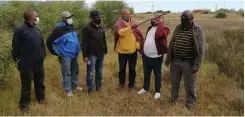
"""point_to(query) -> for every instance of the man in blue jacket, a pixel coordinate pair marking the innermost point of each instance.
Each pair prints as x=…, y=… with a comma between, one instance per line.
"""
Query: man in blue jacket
x=64, y=43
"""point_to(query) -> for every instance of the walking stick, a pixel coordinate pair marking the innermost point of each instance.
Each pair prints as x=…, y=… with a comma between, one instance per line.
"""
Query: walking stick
x=151, y=19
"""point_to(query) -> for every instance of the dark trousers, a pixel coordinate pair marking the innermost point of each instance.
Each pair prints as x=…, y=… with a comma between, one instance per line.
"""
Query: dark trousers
x=131, y=59
x=179, y=69
x=154, y=64
x=27, y=74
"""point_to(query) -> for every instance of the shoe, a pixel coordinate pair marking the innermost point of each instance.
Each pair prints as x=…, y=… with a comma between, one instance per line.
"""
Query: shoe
x=157, y=95
x=40, y=101
x=23, y=109
x=69, y=94
x=190, y=108
x=120, y=86
x=99, y=89
x=131, y=90
x=142, y=91
x=173, y=102
x=79, y=88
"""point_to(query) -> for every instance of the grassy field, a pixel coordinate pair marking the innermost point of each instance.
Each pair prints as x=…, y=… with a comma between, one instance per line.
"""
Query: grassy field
x=218, y=93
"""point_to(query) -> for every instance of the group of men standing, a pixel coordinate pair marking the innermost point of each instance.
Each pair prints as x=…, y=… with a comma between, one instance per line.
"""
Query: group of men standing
x=184, y=54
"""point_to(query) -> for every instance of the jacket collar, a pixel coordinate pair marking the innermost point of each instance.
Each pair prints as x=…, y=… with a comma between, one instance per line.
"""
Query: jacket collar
x=28, y=24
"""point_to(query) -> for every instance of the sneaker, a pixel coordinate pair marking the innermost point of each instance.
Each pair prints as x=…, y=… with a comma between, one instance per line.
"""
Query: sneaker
x=69, y=94
x=79, y=88
x=157, y=95
x=142, y=91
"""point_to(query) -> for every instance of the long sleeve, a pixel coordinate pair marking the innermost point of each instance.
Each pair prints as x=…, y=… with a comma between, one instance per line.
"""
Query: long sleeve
x=53, y=36
x=105, y=43
x=16, y=44
x=125, y=31
x=201, y=43
x=84, y=42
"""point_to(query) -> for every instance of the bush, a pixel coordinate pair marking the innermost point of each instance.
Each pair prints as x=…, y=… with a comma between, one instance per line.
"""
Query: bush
x=6, y=62
x=225, y=48
x=206, y=12
x=49, y=13
x=159, y=11
x=221, y=15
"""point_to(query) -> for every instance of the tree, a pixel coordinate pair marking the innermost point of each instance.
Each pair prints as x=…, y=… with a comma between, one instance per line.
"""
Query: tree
x=110, y=11
x=131, y=9
x=159, y=11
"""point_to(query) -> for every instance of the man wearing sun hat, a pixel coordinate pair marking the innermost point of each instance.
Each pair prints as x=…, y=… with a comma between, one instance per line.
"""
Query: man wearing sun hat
x=64, y=43
x=94, y=48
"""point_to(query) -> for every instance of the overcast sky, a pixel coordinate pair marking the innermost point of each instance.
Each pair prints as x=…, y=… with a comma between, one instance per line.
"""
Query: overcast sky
x=176, y=5
x=180, y=5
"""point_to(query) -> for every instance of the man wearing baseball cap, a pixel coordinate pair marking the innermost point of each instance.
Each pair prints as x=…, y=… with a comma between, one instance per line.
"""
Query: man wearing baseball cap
x=64, y=43
x=94, y=48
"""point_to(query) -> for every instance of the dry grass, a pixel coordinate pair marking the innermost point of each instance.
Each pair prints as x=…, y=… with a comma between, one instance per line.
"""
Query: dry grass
x=217, y=93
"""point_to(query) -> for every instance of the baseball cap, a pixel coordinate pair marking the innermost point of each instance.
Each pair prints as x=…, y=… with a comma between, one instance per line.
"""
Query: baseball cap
x=66, y=14
x=94, y=14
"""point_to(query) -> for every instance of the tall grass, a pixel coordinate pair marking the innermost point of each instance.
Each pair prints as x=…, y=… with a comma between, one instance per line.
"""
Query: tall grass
x=217, y=91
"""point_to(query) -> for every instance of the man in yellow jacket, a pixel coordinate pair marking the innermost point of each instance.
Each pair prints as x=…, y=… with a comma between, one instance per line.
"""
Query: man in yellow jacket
x=128, y=39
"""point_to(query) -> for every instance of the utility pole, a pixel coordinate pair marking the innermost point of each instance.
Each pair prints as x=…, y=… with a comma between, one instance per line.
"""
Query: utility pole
x=152, y=6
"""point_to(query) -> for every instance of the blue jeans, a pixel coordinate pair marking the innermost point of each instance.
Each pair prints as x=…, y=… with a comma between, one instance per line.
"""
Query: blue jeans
x=154, y=64
x=96, y=61
x=70, y=70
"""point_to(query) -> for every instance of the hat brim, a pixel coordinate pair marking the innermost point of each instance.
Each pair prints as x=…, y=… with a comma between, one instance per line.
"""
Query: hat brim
x=69, y=16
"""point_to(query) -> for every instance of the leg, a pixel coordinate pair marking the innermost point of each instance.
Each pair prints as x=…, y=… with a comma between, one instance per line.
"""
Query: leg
x=147, y=72
x=39, y=82
x=176, y=75
x=157, y=68
x=66, y=73
x=122, y=68
x=98, y=70
x=90, y=70
x=74, y=73
x=26, y=75
x=132, y=64
x=190, y=84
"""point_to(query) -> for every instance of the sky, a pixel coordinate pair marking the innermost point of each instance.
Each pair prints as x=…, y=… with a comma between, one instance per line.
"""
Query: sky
x=180, y=5
x=173, y=5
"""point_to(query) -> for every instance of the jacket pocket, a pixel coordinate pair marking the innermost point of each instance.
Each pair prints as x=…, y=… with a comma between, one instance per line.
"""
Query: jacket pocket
x=70, y=45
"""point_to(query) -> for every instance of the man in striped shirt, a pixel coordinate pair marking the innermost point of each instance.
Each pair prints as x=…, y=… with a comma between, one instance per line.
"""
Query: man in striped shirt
x=185, y=54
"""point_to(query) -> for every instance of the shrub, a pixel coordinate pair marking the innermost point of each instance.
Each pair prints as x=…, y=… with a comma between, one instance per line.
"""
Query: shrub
x=225, y=48
x=221, y=15
x=6, y=62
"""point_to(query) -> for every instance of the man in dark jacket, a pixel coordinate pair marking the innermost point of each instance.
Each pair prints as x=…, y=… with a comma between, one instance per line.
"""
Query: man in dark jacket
x=155, y=46
x=94, y=48
x=28, y=52
x=64, y=43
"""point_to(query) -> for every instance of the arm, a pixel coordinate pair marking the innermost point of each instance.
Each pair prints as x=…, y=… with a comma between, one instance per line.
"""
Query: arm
x=201, y=42
x=125, y=31
x=50, y=41
x=84, y=42
x=16, y=44
x=105, y=43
